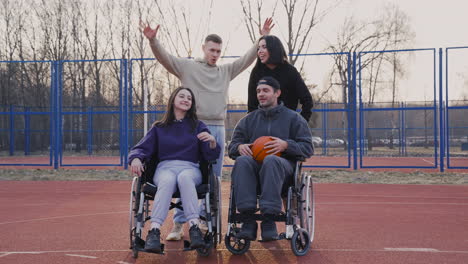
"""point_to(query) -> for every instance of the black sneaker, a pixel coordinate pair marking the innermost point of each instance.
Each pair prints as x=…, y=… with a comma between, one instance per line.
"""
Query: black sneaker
x=196, y=237
x=268, y=226
x=249, y=228
x=153, y=243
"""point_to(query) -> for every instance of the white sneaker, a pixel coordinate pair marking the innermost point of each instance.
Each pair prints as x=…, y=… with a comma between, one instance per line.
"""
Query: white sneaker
x=289, y=231
x=177, y=232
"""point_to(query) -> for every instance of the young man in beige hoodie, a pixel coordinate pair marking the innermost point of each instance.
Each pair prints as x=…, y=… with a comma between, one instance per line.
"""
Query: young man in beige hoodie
x=210, y=84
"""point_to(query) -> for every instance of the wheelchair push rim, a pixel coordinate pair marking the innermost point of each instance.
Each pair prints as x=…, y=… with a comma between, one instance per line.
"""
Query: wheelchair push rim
x=307, y=217
x=134, y=201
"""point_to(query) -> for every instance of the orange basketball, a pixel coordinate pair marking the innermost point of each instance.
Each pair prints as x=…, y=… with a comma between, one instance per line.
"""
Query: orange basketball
x=258, y=151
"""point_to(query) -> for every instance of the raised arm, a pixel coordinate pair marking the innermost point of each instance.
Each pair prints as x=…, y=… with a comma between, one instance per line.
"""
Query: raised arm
x=171, y=63
x=243, y=62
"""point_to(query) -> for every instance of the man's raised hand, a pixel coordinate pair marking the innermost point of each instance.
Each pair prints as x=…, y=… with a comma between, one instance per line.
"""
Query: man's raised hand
x=149, y=33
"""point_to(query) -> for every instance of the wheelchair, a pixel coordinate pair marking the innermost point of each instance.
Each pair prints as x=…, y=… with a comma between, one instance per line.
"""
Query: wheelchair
x=299, y=203
x=143, y=191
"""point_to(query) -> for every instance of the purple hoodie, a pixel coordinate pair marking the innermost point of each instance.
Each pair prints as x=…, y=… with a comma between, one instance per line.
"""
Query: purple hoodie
x=176, y=141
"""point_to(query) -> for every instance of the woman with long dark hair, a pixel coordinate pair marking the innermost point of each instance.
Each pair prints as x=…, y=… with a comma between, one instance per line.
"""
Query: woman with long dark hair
x=179, y=141
x=272, y=61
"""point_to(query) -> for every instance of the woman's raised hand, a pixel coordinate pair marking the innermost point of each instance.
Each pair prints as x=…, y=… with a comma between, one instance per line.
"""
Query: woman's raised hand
x=149, y=33
x=267, y=26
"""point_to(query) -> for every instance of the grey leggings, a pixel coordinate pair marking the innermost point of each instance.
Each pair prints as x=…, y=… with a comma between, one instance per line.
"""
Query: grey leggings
x=169, y=175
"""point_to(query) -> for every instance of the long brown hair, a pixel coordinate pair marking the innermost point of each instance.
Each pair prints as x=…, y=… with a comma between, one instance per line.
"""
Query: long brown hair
x=169, y=116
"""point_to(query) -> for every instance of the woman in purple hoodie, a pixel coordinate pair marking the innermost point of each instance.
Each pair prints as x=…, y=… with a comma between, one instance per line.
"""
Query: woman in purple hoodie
x=179, y=141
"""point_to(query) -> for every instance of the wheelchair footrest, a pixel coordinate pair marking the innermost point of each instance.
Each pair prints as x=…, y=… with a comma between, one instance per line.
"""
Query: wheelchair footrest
x=140, y=246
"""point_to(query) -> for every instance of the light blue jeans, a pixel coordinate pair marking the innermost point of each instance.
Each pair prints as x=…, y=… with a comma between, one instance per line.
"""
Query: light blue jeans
x=219, y=133
x=170, y=175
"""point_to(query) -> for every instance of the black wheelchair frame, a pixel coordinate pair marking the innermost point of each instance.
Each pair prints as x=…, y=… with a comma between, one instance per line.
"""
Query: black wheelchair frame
x=299, y=213
x=143, y=191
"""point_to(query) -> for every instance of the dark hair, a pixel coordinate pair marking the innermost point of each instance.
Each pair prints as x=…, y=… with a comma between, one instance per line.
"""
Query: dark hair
x=215, y=38
x=270, y=81
x=275, y=49
x=169, y=116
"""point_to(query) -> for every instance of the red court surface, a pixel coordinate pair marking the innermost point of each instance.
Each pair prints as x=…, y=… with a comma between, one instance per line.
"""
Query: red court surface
x=87, y=222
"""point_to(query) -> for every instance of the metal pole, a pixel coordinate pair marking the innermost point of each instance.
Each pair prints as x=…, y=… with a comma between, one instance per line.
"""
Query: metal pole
x=441, y=115
x=27, y=130
x=354, y=107
x=12, y=131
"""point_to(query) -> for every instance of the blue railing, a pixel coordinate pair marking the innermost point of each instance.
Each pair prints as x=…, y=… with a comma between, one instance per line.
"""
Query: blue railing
x=360, y=140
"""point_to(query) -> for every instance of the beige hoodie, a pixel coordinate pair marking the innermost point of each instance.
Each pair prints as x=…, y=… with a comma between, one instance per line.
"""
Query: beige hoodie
x=210, y=84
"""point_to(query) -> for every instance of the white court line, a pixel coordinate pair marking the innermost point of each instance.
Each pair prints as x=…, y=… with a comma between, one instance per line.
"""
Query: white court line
x=412, y=249
x=81, y=256
x=428, y=161
x=392, y=196
x=338, y=203
x=59, y=217
x=3, y=254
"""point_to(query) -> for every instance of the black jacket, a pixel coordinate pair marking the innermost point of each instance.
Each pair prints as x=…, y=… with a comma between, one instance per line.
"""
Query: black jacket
x=278, y=122
x=293, y=88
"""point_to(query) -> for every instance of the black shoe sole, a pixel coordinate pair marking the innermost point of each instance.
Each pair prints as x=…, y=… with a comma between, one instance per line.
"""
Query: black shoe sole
x=267, y=239
x=153, y=250
x=197, y=245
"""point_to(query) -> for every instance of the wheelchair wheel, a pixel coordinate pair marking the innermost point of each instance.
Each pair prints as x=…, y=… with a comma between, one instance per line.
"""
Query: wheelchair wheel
x=134, y=204
x=235, y=245
x=300, y=242
x=307, y=205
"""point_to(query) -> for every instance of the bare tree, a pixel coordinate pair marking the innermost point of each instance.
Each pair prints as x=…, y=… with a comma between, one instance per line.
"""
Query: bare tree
x=253, y=16
x=388, y=32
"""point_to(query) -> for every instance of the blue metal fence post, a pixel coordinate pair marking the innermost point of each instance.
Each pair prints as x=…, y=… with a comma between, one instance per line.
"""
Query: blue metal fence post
x=90, y=130
x=51, y=115
x=129, y=91
x=125, y=115
x=348, y=112
x=121, y=110
x=400, y=129
x=324, y=129
x=403, y=127
x=55, y=99
x=27, y=130
x=59, y=112
x=354, y=112
x=12, y=131
x=441, y=115
x=447, y=125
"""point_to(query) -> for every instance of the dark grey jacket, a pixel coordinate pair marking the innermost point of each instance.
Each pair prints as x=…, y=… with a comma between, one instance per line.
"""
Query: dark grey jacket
x=279, y=122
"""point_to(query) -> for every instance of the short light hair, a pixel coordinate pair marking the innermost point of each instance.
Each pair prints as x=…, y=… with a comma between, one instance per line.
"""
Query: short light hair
x=214, y=38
